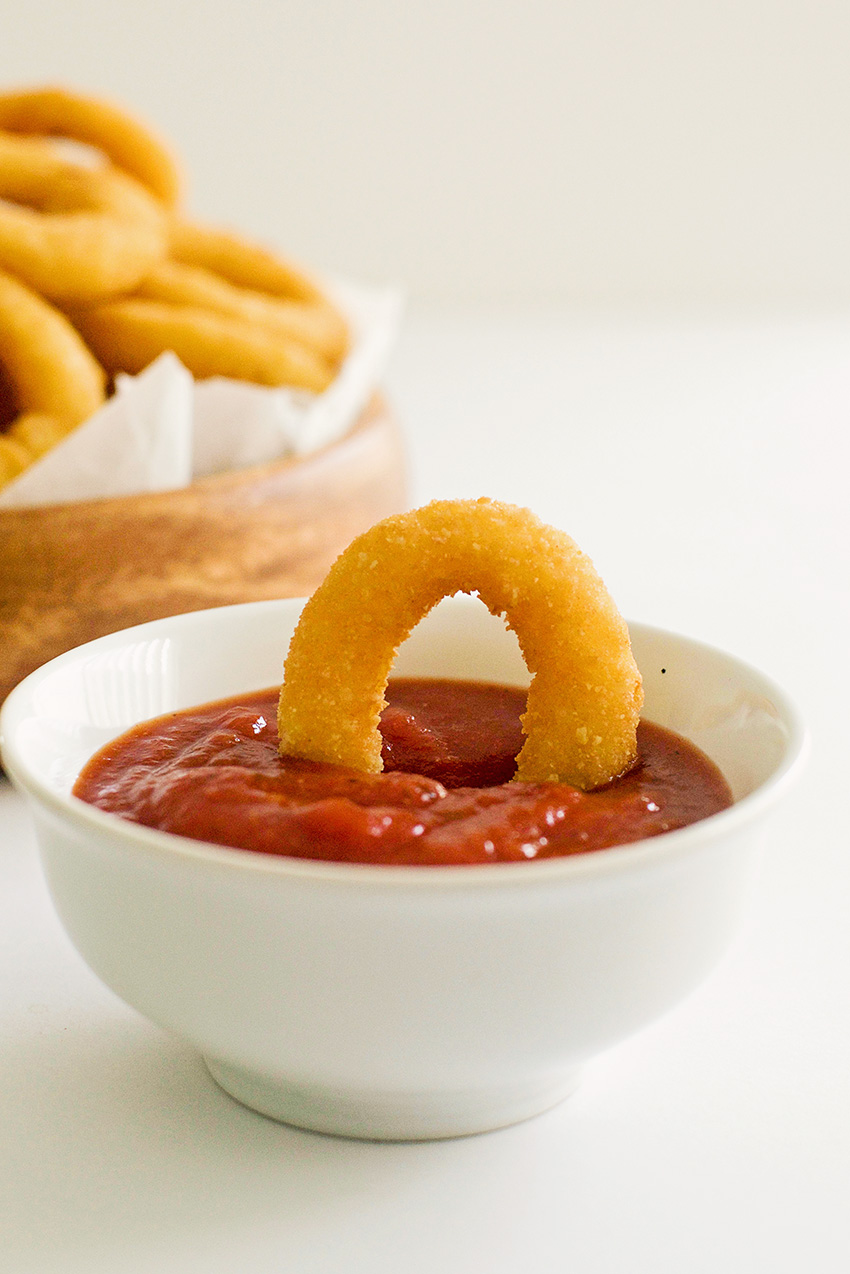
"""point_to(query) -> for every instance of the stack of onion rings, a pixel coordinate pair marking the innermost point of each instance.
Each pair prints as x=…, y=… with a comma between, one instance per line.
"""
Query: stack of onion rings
x=585, y=695
x=108, y=246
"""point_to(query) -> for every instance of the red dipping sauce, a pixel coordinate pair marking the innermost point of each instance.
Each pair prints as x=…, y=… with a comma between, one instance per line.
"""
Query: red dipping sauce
x=445, y=797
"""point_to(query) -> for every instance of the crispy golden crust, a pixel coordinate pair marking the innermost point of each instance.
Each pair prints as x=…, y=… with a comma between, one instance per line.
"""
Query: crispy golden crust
x=55, y=380
x=128, y=143
x=127, y=335
x=312, y=325
x=45, y=360
x=585, y=696
x=241, y=262
x=253, y=270
x=73, y=234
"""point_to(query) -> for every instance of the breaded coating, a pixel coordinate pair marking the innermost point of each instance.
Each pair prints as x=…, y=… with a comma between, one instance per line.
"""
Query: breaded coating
x=585, y=696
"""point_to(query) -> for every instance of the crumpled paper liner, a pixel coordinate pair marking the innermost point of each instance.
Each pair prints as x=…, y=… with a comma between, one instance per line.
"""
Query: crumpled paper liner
x=161, y=430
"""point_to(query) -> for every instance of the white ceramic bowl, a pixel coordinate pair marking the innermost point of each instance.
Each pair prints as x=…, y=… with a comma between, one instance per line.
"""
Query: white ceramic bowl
x=389, y=1002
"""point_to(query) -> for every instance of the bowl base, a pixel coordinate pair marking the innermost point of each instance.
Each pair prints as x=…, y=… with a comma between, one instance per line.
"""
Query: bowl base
x=390, y=1117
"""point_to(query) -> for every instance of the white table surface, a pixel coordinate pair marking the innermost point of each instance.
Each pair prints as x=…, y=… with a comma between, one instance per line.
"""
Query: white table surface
x=703, y=464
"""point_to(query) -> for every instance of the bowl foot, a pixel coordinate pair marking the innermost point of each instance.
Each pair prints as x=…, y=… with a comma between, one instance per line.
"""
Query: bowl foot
x=393, y=1116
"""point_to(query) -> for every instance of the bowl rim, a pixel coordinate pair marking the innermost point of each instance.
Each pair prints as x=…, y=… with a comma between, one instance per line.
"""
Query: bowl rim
x=615, y=859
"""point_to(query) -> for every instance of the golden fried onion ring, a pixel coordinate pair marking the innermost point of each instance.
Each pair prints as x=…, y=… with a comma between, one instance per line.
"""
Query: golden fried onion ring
x=250, y=266
x=127, y=335
x=242, y=263
x=316, y=326
x=55, y=380
x=129, y=144
x=585, y=695
x=80, y=235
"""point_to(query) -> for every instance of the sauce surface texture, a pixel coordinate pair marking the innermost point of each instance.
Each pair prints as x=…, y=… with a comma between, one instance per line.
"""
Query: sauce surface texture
x=445, y=798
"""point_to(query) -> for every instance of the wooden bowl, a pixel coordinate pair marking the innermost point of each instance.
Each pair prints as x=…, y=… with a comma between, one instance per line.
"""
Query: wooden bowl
x=72, y=572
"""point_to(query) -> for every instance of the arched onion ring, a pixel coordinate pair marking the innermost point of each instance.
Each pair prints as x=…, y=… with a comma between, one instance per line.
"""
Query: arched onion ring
x=81, y=234
x=585, y=696
x=55, y=380
x=315, y=326
x=129, y=144
x=127, y=335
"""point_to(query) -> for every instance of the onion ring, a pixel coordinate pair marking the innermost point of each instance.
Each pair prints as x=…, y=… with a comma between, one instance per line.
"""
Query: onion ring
x=129, y=144
x=585, y=695
x=315, y=326
x=55, y=381
x=127, y=335
x=242, y=263
x=85, y=234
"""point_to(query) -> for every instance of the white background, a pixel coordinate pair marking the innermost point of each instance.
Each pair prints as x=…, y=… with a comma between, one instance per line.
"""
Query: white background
x=624, y=230
x=592, y=150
